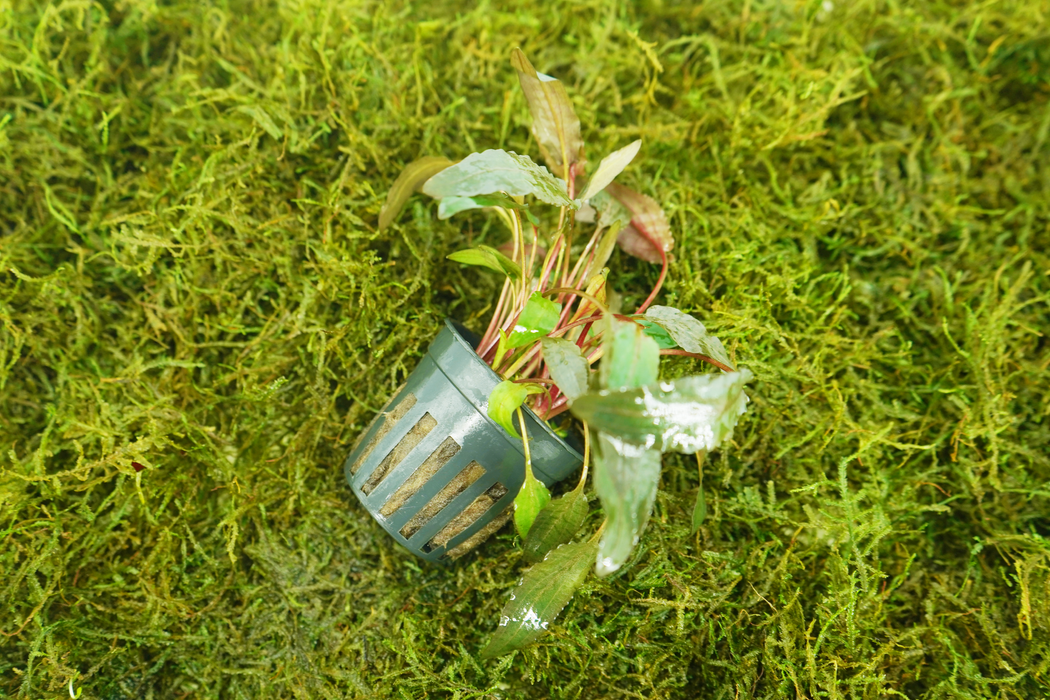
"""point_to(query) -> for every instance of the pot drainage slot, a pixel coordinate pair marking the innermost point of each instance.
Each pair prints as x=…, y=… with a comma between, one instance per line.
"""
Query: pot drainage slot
x=467, y=517
x=408, y=443
x=437, y=459
x=391, y=420
x=471, y=473
x=479, y=536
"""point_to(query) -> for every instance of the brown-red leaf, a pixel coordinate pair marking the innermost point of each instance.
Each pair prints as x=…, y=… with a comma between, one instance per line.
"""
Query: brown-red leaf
x=648, y=220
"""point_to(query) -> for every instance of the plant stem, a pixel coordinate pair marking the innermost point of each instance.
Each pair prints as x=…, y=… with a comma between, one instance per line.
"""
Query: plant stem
x=705, y=358
x=659, y=281
x=525, y=441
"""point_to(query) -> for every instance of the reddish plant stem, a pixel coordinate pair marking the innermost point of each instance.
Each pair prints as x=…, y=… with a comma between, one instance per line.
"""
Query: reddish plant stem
x=495, y=317
x=659, y=281
x=705, y=358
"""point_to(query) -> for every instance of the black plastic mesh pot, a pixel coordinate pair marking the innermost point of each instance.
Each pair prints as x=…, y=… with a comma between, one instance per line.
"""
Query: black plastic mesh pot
x=436, y=472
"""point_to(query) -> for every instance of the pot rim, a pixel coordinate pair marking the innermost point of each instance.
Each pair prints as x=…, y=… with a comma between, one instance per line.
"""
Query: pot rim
x=460, y=333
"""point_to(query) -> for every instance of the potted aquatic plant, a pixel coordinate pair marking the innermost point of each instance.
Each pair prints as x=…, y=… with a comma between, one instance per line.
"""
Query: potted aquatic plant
x=482, y=428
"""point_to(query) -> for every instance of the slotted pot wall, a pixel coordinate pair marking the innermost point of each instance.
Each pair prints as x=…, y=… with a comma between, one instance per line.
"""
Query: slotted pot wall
x=434, y=470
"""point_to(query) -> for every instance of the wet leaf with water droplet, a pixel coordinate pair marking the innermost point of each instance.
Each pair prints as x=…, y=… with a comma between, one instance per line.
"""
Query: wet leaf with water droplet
x=556, y=524
x=537, y=319
x=687, y=415
x=689, y=333
x=568, y=367
x=626, y=478
x=540, y=596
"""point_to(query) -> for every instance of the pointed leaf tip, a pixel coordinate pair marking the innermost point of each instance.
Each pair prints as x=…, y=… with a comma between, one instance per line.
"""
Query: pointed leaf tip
x=536, y=602
x=611, y=166
x=689, y=333
x=411, y=178
x=554, y=121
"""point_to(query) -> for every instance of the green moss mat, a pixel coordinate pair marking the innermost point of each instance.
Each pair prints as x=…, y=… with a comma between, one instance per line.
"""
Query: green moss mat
x=197, y=318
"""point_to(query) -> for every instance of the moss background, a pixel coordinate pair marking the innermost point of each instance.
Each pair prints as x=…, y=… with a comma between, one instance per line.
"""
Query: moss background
x=198, y=317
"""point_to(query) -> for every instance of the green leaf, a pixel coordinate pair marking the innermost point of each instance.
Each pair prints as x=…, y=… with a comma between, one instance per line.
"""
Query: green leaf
x=537, y=319
x=498, y=171
x=658, y=333
x=605, y=247
x=689, y=333
x=567, y=365
x=687, y=415
x=544, y=591
x=531, y=499
x=454, y=205
x=611, y=166
x=630, y=359
x=556, y=524
x=554, y=121
x=505, y=398
x=626, y=478
x=491, y=258
x=411, y=178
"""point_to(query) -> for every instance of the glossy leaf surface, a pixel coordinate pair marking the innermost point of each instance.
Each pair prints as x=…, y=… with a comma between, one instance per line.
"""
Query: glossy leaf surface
x=687, y=415
x=505, y=399
x=543, y=592
x=484, y=256
x=411, y=178
x=567, y=365
x=495, y=171
x=554, y=121
x=626, y=478
x=611, y=166
x=531, y=499
x=556, y=524
x=689, y=333
x=537, y=319
x=631, y=358
x=659, y=334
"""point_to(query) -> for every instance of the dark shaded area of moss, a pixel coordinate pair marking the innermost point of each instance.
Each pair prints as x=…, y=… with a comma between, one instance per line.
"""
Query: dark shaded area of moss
x=197, y=317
